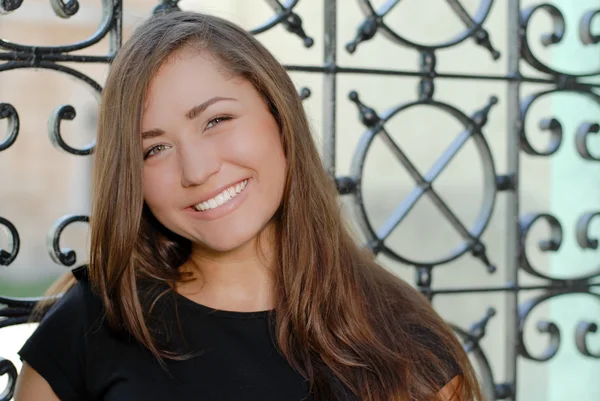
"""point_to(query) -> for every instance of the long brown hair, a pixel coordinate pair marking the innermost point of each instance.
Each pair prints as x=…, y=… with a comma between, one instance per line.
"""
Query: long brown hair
x=342, y=321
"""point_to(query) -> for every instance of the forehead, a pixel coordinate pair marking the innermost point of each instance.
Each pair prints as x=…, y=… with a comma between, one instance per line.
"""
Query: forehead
x=187, y=74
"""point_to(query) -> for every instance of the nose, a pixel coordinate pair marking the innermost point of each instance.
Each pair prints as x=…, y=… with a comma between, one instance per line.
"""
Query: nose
x=198, y=163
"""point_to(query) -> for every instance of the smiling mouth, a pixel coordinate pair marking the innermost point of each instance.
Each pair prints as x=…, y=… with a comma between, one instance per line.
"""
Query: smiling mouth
x=222, y=198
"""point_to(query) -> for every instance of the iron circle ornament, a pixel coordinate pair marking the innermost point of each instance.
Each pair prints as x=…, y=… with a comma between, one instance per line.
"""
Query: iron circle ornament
x=277, y=18
x=471, y=237
x=376, y=16
x=284, y=14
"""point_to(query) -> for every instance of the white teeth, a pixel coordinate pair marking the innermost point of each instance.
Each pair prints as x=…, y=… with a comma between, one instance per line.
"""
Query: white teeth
x=222, y=198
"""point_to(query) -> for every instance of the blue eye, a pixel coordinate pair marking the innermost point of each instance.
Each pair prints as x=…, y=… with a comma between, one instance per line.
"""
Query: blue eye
x=217, y=120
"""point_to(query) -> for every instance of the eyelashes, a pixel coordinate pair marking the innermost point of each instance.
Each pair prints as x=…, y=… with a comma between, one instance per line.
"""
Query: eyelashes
x=154, y=150
x=217, y=120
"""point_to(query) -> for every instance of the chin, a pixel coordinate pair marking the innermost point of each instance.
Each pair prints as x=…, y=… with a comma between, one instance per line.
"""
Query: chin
x=227, y=243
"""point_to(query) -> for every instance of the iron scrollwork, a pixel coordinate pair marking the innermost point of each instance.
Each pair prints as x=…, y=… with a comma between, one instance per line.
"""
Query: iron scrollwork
x=554, y=243
x=63, y=256
x=13, y=312
x=17, y=311
x=7, y=111
x=585, y=28
x=553, y=125
x=548, y=39
x=583, y=329
x=7, y=257
x=59, y=114
x=581, y=137
x=7, y=368
x=7, y=6
x=582, y=231
x=34, y=55
x=581, y=333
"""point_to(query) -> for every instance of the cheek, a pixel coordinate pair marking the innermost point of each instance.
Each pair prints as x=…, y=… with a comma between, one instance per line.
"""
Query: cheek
x=257, y=144
x=156, y=185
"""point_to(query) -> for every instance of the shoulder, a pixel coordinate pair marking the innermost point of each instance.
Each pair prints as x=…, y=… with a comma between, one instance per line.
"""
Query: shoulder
x=57, y=349
x=79, y=306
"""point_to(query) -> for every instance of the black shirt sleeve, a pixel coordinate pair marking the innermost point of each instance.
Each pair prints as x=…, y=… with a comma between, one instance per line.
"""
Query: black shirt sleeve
x=56, y=350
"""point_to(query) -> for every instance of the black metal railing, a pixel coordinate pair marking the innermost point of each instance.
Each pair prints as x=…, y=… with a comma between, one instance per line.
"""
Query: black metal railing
x=519, y=51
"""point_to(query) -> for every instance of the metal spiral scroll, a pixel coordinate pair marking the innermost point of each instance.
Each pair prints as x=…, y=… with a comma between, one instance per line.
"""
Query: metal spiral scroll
x=284, y=14
x=581, y=333
x=13, y=312
x=473, y=126
x=62, y=256
x=553, y=125
x=66, y=10
x=9, y=112
x=7, y=368
x=582, y=231
x=581, y=136
x=374, y=22
x=7, y=257
x=7, y=6
x=553, y=243
x=585, y=28
x=583, y=329
x=65, y=113
x=61, y=113
x=550, y=39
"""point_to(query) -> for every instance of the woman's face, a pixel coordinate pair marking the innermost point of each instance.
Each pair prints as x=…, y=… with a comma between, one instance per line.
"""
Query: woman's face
x=214, y=166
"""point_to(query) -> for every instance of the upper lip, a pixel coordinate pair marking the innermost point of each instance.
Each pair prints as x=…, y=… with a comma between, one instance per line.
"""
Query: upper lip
x=216, y=192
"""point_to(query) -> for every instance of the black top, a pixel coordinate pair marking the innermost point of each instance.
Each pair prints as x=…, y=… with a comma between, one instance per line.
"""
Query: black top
x=82, y=359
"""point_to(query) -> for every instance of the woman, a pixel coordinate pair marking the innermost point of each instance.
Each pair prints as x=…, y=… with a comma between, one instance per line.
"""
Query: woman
x=220, y=268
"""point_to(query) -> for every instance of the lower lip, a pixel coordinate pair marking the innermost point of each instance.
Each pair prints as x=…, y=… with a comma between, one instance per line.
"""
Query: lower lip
x=222, y=210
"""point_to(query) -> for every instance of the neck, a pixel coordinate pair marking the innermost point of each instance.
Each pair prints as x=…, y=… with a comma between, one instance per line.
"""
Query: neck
x=239, y=280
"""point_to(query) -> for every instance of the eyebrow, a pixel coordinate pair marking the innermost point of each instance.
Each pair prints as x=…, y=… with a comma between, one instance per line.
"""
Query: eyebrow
x=190, y=115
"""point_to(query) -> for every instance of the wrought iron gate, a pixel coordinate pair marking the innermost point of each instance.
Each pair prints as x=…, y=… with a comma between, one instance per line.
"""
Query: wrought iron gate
x=519, y=52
